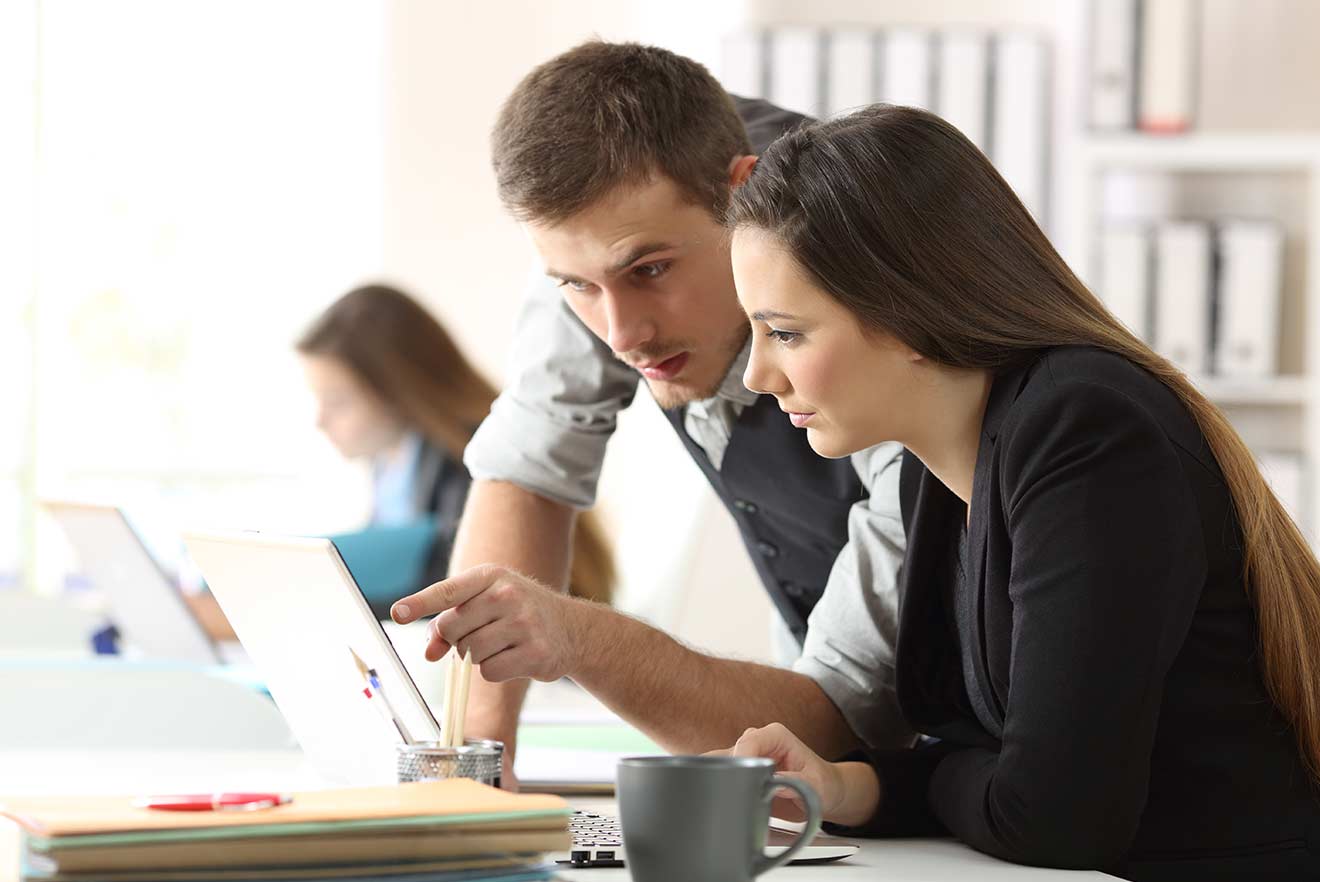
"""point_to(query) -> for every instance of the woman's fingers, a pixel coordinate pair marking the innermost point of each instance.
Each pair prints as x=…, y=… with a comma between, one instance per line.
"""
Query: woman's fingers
x=787, y=805
x=774, y=742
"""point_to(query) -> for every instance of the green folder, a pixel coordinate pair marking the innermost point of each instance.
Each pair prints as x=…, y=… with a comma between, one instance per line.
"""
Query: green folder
x=305, y=828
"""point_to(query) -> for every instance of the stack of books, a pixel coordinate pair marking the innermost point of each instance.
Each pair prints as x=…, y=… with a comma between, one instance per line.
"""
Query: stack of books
x=442, y=831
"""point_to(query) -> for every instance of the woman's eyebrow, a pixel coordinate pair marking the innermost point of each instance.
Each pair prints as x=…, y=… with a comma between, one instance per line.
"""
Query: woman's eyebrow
x=764, y=315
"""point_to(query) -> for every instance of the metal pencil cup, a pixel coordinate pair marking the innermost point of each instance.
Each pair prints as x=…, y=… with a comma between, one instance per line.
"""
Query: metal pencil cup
x=428, y=761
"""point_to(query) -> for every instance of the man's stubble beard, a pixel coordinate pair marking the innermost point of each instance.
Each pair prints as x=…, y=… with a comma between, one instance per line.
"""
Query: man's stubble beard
x=672, y=395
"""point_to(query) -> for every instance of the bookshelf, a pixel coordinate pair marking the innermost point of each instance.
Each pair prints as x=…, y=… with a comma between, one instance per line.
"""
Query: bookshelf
x=1201, y=151
x=1280, y=391
x=1202, y=175
x=1273, y=413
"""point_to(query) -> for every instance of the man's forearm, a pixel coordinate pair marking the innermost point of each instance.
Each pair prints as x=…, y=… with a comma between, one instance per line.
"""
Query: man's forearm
x=505, y=524
x=690, y=702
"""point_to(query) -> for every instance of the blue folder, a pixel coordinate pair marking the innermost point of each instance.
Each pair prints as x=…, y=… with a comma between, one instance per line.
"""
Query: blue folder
x=388, y=562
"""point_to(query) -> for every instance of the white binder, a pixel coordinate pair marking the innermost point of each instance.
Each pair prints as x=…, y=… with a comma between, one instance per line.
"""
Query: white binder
x=743, y=64
x=1168, y=65
x=1113, y=64
x=907, y=68
x=1018, y=138
x=1250, y=273
x=850, y=76
x=795, y=69
x=1182, y=294
x=963, y=84
x=1125, y=275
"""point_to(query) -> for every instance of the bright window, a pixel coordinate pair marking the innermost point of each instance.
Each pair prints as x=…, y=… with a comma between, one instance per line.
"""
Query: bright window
x=209, y=177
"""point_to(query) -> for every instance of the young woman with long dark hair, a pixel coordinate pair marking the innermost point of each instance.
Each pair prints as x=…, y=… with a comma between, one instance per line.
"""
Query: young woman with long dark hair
x=1110, y=628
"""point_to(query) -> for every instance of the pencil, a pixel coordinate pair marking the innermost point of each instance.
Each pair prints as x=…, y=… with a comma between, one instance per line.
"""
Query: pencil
x=451, y=700
x=389, y=706
x=464, y=683
x=361, y=665
x=373, y=683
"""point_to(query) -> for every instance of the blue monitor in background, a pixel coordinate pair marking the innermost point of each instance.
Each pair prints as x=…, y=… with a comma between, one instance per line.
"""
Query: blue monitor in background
x=388, y=562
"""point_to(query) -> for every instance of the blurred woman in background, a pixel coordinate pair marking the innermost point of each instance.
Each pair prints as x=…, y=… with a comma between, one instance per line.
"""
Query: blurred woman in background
x=393, y=388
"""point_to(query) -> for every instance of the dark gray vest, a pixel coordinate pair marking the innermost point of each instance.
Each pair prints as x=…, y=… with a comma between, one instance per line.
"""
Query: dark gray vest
x=791, y=504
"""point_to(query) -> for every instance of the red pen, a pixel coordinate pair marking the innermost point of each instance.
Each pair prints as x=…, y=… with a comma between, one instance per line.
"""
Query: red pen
x=213, y=802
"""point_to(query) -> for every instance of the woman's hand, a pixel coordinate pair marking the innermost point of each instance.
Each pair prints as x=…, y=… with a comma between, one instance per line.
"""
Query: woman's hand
x=849, y=792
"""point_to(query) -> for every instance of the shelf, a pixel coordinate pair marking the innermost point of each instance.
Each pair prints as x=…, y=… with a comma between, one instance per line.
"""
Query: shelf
x=1265, y=391
x=1245, y=152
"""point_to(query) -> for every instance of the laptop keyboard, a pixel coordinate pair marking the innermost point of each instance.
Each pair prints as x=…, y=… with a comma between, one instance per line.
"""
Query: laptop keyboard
x=597, y=840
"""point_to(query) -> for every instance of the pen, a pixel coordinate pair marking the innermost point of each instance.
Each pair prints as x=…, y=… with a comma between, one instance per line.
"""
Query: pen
x=373, y=682
x=212, y=802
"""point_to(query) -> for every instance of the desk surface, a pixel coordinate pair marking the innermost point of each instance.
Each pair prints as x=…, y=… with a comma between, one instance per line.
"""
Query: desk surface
x=891, y=860
x=54, y=772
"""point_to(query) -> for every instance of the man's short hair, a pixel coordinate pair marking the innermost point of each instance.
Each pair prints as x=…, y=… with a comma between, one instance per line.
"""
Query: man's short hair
x=603, y=115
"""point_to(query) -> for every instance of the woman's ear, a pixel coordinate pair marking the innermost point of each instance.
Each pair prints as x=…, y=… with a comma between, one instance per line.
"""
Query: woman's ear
x=910, y=355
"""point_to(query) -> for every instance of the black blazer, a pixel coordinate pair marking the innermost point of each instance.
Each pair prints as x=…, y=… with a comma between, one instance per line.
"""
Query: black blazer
x=1123, y=721
x=440, y=487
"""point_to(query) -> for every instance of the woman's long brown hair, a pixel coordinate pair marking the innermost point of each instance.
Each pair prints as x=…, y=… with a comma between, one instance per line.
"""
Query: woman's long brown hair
x=901, y=219
x=401, y=353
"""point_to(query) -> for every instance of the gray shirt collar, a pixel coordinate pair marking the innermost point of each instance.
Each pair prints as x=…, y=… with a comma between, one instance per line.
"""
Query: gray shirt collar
x=732, y=389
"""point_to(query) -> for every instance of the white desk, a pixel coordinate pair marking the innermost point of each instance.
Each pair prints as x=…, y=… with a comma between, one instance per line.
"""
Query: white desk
x=55, y=772
x=889, y=860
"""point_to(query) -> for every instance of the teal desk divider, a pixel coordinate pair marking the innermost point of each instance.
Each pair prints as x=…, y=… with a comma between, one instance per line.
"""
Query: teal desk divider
x=242, y=674
x=388, y=562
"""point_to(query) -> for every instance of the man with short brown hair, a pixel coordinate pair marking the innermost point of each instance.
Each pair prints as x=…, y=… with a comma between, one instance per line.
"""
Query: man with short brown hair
x=654, y=114
x=619, y=160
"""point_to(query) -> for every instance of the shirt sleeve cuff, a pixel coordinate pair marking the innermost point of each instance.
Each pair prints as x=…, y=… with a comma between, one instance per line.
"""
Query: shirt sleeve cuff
x=567, y=460
x=870, y=708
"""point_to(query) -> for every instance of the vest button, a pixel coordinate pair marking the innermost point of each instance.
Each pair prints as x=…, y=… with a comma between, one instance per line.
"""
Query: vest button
x=744, y=506
x=767, y=550
x=793, y=589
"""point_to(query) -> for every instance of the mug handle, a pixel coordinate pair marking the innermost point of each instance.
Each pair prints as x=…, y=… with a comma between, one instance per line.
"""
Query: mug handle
x=809, y=832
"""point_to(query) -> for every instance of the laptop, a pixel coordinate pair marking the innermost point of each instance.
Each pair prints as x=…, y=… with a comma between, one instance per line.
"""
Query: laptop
x=146, y=605
x=302, y=620
x=301, y=617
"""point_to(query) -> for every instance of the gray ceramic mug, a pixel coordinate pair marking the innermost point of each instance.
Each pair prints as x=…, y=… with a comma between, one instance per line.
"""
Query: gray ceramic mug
x=703, y=818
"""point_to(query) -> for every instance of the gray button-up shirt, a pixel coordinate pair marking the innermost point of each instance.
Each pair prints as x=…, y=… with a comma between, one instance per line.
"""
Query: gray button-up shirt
x=548, y=430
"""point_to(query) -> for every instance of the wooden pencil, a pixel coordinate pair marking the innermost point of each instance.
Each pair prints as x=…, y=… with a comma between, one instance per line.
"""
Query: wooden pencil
x=464, y=684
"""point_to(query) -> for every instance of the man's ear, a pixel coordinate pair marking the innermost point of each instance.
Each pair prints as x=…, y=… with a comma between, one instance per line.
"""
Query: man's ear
x=739, y=168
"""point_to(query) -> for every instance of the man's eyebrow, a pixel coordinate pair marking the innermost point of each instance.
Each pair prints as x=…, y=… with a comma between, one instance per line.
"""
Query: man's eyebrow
x=635, y=255
x=632, y=257
x=764, y=315
x=563, y=277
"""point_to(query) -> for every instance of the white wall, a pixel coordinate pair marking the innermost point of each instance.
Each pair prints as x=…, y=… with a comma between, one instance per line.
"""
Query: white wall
x=449, y=68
